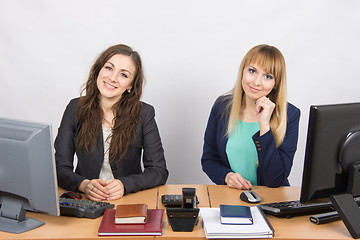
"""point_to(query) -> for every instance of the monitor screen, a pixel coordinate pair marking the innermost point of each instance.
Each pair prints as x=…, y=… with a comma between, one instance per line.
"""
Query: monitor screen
x=328, y=128
x=332, y=160
x=27, y=174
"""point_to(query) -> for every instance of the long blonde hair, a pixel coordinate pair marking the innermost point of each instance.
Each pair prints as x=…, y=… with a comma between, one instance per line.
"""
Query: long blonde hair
x=271, y=60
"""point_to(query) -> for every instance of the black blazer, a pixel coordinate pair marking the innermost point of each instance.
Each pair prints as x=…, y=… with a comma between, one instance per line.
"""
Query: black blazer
x=128, y=170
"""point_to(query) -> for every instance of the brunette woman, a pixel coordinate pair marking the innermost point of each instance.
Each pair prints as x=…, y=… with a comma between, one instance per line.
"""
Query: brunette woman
x=111, y=131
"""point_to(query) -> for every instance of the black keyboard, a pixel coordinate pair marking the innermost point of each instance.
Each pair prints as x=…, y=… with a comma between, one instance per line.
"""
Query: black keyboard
x=82, y=208
x=173, y=200
x=290, y=209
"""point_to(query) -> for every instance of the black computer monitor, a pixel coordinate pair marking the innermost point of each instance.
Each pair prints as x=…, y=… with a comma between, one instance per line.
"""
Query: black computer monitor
x=27, y=174
x=332, y=160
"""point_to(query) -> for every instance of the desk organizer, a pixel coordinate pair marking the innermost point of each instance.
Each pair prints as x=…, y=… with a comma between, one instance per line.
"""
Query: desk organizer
x=183, y=219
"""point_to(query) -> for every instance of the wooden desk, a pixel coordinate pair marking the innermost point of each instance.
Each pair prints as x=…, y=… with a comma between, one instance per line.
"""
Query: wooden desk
x=61, y=227
x=294, y=228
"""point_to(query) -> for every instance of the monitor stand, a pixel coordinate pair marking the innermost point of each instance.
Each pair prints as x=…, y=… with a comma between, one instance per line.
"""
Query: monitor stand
x=349, y=212
x=12, y=216
x=345, y=204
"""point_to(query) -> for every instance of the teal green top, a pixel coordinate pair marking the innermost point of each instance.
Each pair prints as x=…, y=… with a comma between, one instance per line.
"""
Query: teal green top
x=241, y=151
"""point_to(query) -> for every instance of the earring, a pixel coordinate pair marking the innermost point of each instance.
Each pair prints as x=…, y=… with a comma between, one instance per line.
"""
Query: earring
x=129, y=90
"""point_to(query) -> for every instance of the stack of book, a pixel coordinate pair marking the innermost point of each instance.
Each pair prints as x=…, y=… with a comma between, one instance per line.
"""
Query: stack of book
x=131, y=219
x=233, y=221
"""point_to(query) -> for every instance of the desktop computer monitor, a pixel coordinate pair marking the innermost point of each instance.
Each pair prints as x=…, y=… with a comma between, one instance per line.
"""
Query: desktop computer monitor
x=27, y=174
x=332, y=160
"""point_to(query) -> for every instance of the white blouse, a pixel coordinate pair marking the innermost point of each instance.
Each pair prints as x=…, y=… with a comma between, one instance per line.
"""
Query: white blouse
x=106, y=172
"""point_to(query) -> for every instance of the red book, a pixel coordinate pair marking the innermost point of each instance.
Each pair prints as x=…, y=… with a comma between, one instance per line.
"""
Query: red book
x=153, y=226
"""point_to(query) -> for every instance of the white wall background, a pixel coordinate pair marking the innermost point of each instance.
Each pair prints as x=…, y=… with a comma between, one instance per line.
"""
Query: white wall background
x=191, y=50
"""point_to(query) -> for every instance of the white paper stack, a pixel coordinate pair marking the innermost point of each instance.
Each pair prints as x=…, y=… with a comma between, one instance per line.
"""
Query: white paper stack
x=214, y=229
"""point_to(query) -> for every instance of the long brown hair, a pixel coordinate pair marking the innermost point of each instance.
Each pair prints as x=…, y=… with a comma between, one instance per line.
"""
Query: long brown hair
x=271, y=60
x=126, y=110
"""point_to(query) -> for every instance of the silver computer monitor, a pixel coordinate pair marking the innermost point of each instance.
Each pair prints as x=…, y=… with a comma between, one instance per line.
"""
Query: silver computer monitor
x=27, y=174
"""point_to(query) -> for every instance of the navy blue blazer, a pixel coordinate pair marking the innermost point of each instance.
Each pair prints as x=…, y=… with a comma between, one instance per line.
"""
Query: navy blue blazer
x=274, y=163
x=129, y=170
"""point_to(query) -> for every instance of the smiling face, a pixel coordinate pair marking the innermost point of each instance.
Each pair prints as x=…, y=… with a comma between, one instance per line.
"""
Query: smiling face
x=115, y=77
x=256, y=83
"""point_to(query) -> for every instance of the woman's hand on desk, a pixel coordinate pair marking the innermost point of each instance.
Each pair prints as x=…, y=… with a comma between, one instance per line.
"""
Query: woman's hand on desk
x=99, y=190
x=115, y=189
x=235, y=180
x=94, y=189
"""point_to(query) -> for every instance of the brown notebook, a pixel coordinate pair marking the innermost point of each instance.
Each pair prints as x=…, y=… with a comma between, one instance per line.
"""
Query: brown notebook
x=131, y=213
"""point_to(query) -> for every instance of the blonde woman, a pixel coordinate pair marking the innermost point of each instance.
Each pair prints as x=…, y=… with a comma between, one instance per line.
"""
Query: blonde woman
x=252, y=132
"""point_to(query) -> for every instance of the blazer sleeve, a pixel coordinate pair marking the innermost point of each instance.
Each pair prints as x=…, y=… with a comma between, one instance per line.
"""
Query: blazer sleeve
x=155, y=172
x=214, y=160
x=275, y=163
x=65, y=148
